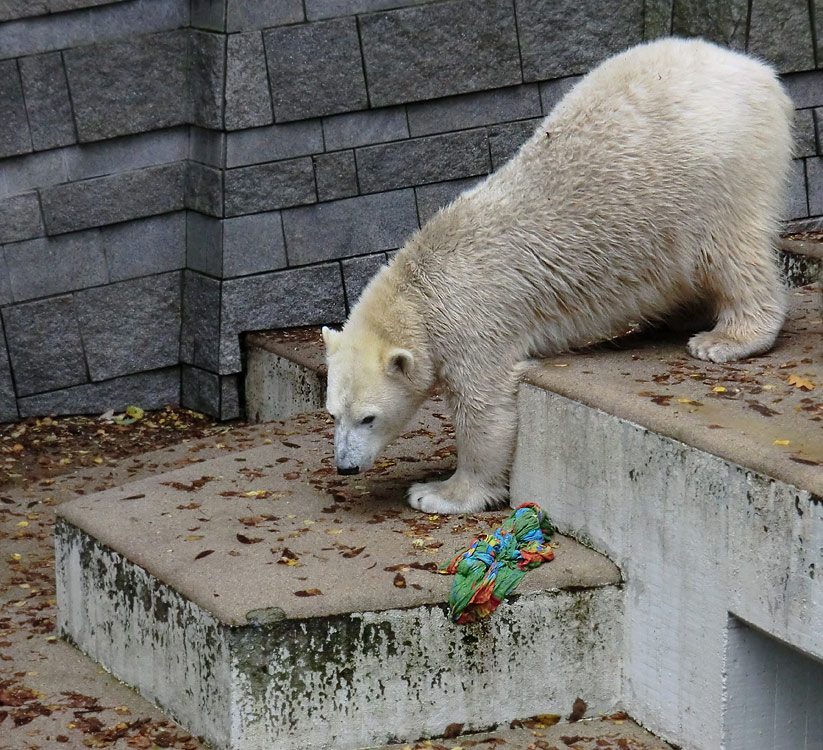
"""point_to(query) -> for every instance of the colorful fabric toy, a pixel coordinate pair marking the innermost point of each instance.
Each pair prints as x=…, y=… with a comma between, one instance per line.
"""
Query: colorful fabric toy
x=492, y=566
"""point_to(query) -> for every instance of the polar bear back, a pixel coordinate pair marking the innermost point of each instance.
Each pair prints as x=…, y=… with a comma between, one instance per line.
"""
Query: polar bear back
x=663, y=163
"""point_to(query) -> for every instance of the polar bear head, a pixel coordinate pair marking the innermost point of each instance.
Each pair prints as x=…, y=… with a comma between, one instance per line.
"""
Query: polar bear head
x=374, y=389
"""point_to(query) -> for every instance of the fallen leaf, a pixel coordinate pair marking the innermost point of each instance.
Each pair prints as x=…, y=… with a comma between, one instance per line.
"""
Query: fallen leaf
x=309, y=592
x=243, y=539
x=204, y=553
x=452, y=731
x=578, y=710
x=399, y=581
x=780, y=442
x=548, y=720
x=194, y=537
x=801, y=382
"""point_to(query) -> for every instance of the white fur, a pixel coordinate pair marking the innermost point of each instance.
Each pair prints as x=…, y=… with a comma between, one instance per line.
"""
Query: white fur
x=655, y=186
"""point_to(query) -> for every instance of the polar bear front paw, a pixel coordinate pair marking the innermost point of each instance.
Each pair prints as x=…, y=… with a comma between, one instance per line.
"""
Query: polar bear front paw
x=447, y=497
x=716, y=347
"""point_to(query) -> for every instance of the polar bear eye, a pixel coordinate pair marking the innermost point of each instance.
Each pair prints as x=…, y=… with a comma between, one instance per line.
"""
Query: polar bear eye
x=367, y=420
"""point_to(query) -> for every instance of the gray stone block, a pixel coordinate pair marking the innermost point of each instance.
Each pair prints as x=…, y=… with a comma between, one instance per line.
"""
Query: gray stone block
x=15, y=9
x=720, y=22
x=253, y=244
x=257, y=14
x=204, y=244
x=8, y=400
x=146, y=246
x=431, y=198
x=315, y=69
x=53, y=265
x=126, y=153
x=230, y=407
x=798, y=206
x=295, y=297
x=207, y=78
x=108, y=200
x=149, y=390
x=14, y=135
x=657, y=19
x=814, y=175
x=128, y=86
x=780, y=31
x=354, y=226
x=47, y=101
x=804, y=135
x=204, y=189
x=200, y=332
x=551, y=92
x=200, y=390
x=5, y=287
x=505, y=140
x=259, y=145
x=208, y=14
x=22, y=173
x=130, y=326
x=207, y=146
x=335, y=175
x=473, y=110
x=248, y=98
x=45, y=347
x=423, y=160
x=319, y=9
x=266, y=187
x=439, y=49
x=357, y=272
x=568, y=36
x=805, y=89
x=20, y=218
x=107, y=23
x=365, y=128
x=818, y=126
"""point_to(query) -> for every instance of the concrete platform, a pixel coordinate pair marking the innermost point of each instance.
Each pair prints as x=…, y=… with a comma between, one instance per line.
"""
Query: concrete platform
x=705, y=484
x=262, y=601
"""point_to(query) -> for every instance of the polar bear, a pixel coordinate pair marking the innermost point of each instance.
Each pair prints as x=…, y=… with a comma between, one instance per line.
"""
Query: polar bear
x=655, y=186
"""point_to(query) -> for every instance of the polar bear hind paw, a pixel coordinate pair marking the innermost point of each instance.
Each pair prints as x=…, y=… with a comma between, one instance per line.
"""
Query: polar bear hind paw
x=435, y=497
x=718, y=347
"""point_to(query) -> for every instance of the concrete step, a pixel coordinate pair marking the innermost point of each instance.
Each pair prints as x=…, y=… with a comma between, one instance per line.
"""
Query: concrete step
x=264, y=602
x=704, y=483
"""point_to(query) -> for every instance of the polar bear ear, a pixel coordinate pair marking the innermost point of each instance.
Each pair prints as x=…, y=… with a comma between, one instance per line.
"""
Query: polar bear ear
x=331, y=339
x=400, y=362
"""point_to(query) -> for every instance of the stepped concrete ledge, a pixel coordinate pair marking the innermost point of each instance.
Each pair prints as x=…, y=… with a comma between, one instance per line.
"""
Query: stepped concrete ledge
x=264, y=602
x=704, y=483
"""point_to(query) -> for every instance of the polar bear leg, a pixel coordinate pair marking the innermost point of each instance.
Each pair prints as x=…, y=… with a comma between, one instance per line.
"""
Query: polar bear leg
x=485, y=447
x=750, y=306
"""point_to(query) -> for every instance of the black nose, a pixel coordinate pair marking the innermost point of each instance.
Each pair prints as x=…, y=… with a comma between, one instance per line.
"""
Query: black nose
x=348, y=470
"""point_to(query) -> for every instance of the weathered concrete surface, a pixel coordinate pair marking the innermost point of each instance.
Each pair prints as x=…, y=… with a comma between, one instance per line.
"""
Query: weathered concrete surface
x=736, y=410
x=369, y=654
x=285, y=374
x=677, y=478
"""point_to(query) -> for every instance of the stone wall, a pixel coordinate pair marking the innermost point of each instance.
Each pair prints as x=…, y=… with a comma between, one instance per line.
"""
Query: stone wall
x=174, y=173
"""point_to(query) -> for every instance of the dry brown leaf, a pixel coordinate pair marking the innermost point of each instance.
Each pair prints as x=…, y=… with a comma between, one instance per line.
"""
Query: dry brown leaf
x=800, y=382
